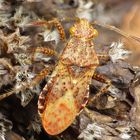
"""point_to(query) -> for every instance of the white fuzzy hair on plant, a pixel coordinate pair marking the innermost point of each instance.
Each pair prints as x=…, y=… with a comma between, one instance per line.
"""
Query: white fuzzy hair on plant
x=49, y=35
x=117, y=51
x=23, y=77
x=22, y=17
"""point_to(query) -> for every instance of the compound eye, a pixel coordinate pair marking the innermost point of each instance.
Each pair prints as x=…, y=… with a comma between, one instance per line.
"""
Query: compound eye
x=95, y=33
x=72, y=30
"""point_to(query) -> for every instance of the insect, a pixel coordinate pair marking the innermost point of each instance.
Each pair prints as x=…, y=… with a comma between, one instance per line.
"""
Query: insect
x=67, y=91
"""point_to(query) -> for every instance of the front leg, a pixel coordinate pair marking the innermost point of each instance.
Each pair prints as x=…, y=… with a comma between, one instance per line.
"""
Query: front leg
x=46, y=51
x=54, y=22
x=103, y=79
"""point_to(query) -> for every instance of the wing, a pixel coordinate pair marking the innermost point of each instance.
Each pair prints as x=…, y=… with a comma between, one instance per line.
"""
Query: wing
x=60, y=110
x=67, y=94
x=81, y=90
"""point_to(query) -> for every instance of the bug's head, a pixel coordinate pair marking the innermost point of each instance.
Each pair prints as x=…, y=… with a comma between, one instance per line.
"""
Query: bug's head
x=83, y=29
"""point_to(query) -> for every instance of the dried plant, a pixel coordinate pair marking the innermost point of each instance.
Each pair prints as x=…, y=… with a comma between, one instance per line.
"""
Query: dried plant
x=5, y=126
x=23, y=50
x=117, y=51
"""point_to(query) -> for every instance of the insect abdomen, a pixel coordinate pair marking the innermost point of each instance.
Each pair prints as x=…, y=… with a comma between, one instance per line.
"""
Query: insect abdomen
x=58, y=116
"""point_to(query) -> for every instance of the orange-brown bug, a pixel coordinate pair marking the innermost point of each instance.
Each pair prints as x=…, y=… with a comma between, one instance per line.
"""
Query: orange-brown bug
x=67, y=91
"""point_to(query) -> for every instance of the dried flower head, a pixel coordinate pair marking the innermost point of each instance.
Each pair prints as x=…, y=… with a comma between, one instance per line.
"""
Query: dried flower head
x=22, y=17
x=23, y=58
x=23, y=75
x=49, y=35
x=5, y=13
x=7, y=72
x=16, y=41
x=117, y=51
x=5, y=126
x=23, y=78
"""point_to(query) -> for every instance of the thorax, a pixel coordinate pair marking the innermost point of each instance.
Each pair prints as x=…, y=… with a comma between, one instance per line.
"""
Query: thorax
x=79, y=52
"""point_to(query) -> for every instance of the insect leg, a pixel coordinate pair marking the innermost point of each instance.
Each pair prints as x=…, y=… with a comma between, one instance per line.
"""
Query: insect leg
x=41, y=76
x=54, y=22
x=104, y=89
x=46, y=51
x=59, y=27
x=33, y=83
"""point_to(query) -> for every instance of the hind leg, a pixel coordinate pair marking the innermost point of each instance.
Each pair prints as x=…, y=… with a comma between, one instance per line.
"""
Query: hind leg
x=46, y=51
x=104, y=89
